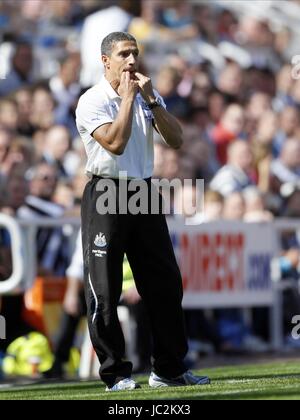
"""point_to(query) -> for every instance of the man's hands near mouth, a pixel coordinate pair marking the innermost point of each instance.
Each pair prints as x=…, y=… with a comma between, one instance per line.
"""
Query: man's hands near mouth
x=145, y=87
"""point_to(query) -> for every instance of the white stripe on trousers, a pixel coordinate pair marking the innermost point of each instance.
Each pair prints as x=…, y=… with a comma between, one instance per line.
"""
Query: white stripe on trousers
x=96, y=300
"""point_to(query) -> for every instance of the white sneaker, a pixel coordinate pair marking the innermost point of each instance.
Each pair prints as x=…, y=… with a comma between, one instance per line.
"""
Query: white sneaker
x=186, y=379
x=127, y=384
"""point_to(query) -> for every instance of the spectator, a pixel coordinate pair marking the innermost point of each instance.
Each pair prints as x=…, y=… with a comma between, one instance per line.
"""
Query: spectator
x=5, y=142
x=205, y=20
x=262, y=147
x=213, y=206
x=167, y=83
x=295, y=93
x=21, y=72
x=234, y=207
x=11, y=306
x=200, y=90
x=57, y=144
x=236, y=175
x=188, y=204
x=197, y=209
x=23, y=99
x=216, y=106
x=259, y=103
x=171, y=164
x=43, y=108
x=146, y=28
x=74, y=309
x=78, y=184
x=53, y=253
x=63, y=195
x=16, y=191
x=286, y=169
x=65, y=89
x=284, y=85
x=96, y=27
x=230, y=82
x=258, y=39
x=255, y=207
x=289, y=124
x=8, y=115
x=229, y=129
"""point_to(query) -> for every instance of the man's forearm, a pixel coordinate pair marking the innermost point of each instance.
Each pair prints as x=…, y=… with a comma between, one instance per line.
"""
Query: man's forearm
x=168, y=127
x=120, y=131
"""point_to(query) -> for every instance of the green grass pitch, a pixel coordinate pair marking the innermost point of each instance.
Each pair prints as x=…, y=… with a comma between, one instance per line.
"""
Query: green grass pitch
x=268, y=381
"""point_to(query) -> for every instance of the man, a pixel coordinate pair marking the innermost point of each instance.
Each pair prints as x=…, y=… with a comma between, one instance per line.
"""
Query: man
x=21, y=71
x=74, y=309
x=236, y=175
x=56, y=146
x=66, y=89
x=116, y=17
x=229, y=128
x=52, y=245
x=115, y=120
x=286, y=169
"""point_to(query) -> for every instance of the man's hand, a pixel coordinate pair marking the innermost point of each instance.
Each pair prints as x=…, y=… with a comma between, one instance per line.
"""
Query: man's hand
x=145, y=87
x=131, y=296
x=71, y=303
x=128, y=88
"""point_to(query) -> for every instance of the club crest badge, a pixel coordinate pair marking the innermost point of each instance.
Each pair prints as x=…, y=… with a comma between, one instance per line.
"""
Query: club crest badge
x=100, y=240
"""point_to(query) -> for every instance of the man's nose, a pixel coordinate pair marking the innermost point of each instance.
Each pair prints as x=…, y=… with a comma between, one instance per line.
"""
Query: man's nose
x=132, y=59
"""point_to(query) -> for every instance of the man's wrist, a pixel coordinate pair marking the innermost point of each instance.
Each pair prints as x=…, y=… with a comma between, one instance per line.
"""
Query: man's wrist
x=155, y=102
x=150, y=99
x=129, y=99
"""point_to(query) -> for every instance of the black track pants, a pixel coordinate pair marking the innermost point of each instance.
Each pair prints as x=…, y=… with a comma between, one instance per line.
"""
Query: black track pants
x=146, y=241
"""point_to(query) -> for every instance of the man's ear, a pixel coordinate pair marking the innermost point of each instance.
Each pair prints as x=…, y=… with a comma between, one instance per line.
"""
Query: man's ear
x=105, y=61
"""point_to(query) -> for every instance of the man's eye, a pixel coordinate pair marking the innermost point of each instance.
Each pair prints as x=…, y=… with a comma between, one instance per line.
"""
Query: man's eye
x=125, y=55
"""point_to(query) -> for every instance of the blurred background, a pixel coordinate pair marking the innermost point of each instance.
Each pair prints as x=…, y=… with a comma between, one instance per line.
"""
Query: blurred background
x=228, y=70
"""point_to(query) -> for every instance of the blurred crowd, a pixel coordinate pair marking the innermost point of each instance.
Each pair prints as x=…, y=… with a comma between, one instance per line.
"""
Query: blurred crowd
x=224, y=71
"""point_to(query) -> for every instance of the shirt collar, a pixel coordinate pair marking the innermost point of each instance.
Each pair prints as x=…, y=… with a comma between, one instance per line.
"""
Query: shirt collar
x=108, y=88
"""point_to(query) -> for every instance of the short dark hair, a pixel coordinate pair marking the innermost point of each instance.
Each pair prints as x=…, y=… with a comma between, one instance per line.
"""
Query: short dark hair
x=110, y=40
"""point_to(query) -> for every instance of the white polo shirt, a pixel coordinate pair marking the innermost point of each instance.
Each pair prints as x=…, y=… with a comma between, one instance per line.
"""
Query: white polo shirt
x=100, y=105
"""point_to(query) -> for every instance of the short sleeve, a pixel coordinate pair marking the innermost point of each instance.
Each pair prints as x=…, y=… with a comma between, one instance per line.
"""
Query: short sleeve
x=91, y=115
x=157, y=95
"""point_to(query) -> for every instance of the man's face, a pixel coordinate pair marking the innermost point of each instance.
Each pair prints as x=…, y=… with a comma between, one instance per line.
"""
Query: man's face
x=124, y=57
x=44, y=183
x=18, y=190
x=23, y=60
